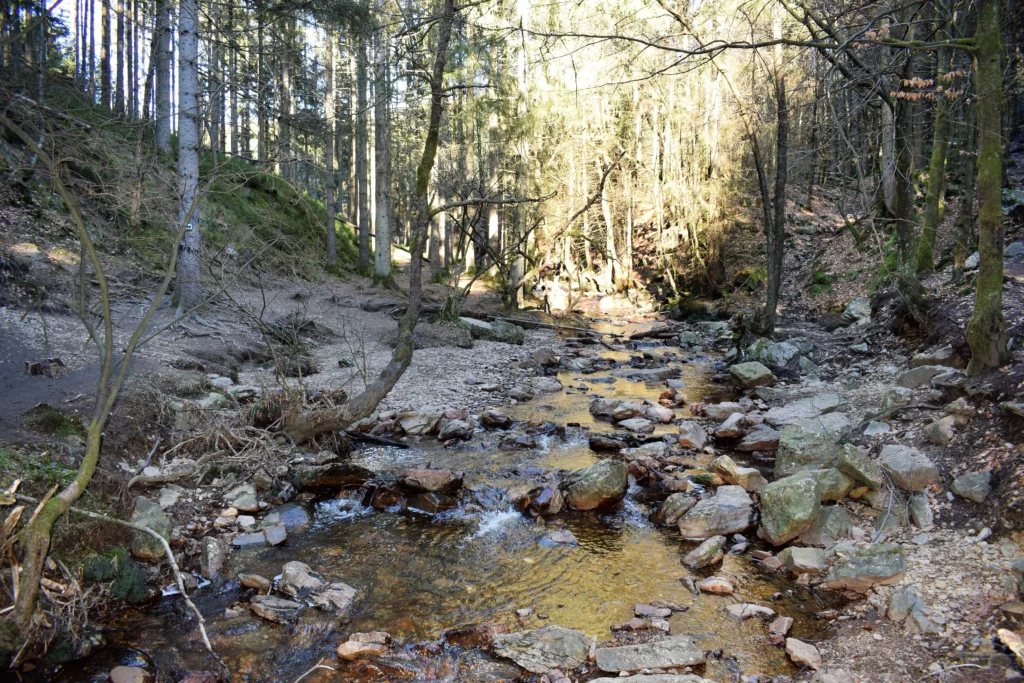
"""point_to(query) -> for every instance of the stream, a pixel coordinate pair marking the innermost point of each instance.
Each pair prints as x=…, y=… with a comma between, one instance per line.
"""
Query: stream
x=418, y=576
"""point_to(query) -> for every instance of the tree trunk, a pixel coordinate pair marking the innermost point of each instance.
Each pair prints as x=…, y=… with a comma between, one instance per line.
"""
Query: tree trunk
x=188, y=290
x=361, y=142
x=986, y=331
x=888, y=158
x=611, y=257
x=382, y=155
x=105, y=53
x=968, y=186
x=776, y=233
x=903, y=207
x=162, y=76
x=330, y=181
x=936, y=171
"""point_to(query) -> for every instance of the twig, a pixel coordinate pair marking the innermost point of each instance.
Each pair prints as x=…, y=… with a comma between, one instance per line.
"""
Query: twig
x=379, y=440
x=950, y=668
x=149, y=457
x=170, y=558
x=318, y=665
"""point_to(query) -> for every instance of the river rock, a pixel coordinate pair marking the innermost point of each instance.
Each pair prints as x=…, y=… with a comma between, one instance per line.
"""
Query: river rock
x=718, y=412
x=654, y=678
x=492, y=418
x=601, y=485
x=747, y=477
x=674, y=507
x=761, y=438
x=627, y=410
x=830, y=526
x=921, y=510
x=274, y=609
x=857, y=312
x=243, y=498
x=298, y=577
x=909, y=468
x=716, y=585
x=608, y=442
x=543, y=385
x=673, y=651
x=424, y=480
x=706, y=554
x=692, y=435
x=855, y=463
x=544, y=501
x=431, y=503
x=748, y=610
x=805, y=409
x=732, y=427
x=941, y=431
x=352, y=650
x=275, y=535
x=727, y=512
x=751, y=375
x=803, y=653
x=129, y=674
x=455, y=429
x=945, y=356
x=919, y=376
x=644, y=610
x=213, y=557
x=803, y=560
x=637, y=425
x=558, y=537
x=545, y=357
x=254, y=581
x=292, y=516
x=788, y=508
x=543, y=649
x=658, y=413
x=149, y=514
x=974, y=485
x=654, y=449
x=498, y=331
x=335, y=597
x=810, y=444
x=419, y=422
x=604, y=407
x=773, y=354
x=334, y=476
x=834, y=484
x=878, y=564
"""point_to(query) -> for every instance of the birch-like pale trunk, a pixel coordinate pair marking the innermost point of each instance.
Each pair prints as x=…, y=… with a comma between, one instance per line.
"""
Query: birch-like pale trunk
x=188, y=290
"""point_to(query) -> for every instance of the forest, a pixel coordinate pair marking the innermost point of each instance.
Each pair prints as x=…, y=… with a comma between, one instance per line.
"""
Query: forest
x=516, y=341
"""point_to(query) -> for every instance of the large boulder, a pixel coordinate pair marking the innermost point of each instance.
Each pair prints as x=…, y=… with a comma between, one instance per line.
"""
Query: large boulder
x=857, y=312
x=879, y=564
x=788, y=508
x=855, y=463
x=747, y=477
x=729, y=511
x=543, y=649
x=805, y=409
x=692, y=435
x=601, y=485
x=499, y=331
x=334, y=476
x=909, y=468
x=772, y=354
x=148, y=513
x=672, y=508
x=810, y=444
x=671, y=652
x=760, y=438
x=424, y=480
x=751, y=375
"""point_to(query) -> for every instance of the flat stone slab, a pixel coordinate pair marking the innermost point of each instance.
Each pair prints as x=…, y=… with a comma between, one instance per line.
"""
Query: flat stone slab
x=805, y=409
x=670, y=652
x=543, y=649
x=656, y=678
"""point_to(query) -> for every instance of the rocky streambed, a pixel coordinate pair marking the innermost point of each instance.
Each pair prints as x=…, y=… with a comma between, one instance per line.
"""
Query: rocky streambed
x=629, y=506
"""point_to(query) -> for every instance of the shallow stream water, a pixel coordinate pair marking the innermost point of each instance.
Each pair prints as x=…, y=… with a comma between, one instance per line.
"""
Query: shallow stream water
x=418, y=576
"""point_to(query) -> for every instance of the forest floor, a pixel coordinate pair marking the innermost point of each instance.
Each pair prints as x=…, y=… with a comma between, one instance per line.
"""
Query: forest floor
x=962, y=563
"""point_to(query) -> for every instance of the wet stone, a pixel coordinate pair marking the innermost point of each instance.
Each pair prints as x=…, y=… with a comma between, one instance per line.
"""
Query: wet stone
x=558, y=537
x=674, y=507
x=292, y=516
x=431, y=481
x=727, y=512
x=275, y=535
x=601, y=485
x=716, y=585
x=650, y=611
x=242, y=540
x=430, y=503
x=673, y=651
x=543, y=649
x=748, y=610
x=706, y=554
x=275, y=609
x=254, y=581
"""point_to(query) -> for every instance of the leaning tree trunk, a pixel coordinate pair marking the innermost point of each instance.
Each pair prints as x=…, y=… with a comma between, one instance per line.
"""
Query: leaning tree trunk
x=188, y=291
x=306, y=425
x=986, y=331
x=936, y=172
x=968, y=186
